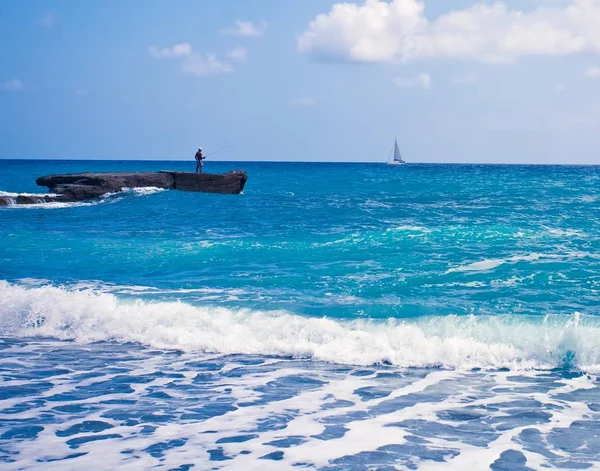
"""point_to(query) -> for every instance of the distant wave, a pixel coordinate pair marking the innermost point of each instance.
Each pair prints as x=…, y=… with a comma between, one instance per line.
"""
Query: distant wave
x=410, y=229
x=490, y=264
x=489, y=342
x=483, y=265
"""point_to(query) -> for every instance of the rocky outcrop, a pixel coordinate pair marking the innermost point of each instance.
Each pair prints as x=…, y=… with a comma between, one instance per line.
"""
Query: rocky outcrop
x=230, y=183
x=84, y=186
x=108, y=182
x=11, y=199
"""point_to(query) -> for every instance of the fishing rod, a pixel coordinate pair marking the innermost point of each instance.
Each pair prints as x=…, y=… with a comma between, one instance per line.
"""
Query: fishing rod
x=222, y=148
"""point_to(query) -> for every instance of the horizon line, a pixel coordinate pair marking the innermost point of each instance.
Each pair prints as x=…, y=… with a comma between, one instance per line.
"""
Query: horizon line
x=302, y=162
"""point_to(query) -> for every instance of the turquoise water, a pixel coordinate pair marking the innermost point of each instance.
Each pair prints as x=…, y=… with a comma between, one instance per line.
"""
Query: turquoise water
x=342, y=295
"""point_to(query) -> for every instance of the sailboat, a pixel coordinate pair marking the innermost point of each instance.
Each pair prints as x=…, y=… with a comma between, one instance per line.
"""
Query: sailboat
x=397, y=160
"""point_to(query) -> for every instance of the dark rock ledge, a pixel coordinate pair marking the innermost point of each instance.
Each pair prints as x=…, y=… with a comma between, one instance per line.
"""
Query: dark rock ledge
x=72, y=187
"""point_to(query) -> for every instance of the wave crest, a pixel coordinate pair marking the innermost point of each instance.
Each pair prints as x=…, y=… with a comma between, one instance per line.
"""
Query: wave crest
x=489, y=342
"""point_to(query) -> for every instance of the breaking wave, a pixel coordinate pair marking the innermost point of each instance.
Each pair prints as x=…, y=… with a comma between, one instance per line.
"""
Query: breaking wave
x=143, y=191
x=489, y=342
x=106, y=198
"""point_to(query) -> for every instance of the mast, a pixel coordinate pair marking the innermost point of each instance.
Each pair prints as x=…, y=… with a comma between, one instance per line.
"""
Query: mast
x=390, y=156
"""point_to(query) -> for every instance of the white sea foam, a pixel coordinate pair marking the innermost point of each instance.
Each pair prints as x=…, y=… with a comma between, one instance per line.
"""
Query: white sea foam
x=139, y=191
x=14, y=195
x=369, y=203
x=410, y=229
x=111, y=197
x=490, y=264
x=144, y=191
x=47, y=205
x=483, y=265
x=516, y=342
x=99, y=286
x=11, y=198
x=57, y=205
x=565, y=232
x=512, y=281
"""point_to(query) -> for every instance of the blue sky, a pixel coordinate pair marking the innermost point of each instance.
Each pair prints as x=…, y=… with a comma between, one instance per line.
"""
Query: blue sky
x=514, y=82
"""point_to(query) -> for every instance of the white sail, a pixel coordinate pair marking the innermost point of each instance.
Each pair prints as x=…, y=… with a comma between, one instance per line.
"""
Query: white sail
x=397, y=160
x=397, y=156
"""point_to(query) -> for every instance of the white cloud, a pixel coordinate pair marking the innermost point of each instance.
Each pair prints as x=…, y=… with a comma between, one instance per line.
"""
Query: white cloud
x=14, y=85
x=593, y=72
x=205, y=64
x=200, y=65
x=560, y=88
x=245, y=28
x=468, y=79
x=303, y=102
x=398, y=31
x=422, y=80
x=238, y=54
x=48, y=19
x=179, y=50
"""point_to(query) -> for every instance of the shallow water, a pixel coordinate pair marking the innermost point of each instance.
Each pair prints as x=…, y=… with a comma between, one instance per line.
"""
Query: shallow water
x=334, y=316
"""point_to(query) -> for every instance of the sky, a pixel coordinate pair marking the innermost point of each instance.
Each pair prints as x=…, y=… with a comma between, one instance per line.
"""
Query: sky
x=287, y=80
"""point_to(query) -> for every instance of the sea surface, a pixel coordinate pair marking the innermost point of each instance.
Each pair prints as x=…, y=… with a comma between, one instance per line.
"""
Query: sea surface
x=332, y=317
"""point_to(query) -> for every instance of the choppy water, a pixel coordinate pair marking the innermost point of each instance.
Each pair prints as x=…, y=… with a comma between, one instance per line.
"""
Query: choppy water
x=335, y=316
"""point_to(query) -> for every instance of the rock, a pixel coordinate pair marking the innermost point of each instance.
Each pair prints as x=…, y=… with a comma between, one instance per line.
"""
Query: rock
x=227, y=183
x=29, y=199
x=84, y=186
x=109, y=181
x=56, y=199
x=78, y=192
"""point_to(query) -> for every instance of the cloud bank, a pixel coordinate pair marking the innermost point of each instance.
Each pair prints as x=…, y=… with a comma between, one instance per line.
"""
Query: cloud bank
x=200, y=65
x=398, y=31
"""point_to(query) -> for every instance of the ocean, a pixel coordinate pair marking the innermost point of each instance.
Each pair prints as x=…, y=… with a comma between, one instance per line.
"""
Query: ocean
x=332, y=317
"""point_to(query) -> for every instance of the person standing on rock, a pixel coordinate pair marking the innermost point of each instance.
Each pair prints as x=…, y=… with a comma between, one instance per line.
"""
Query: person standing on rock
x=199, y=159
